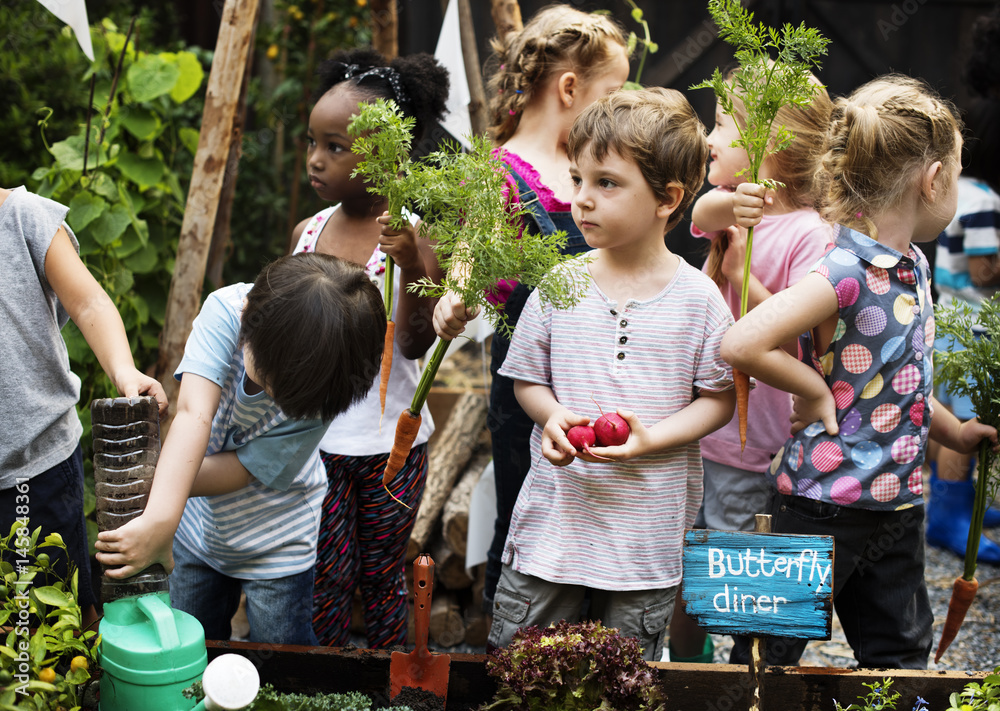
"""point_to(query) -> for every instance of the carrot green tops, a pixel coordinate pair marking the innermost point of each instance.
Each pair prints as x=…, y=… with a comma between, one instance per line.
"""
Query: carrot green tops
x=878, y=366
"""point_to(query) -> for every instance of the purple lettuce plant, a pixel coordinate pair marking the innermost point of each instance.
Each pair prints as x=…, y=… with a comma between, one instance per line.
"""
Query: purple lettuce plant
x=580, y=666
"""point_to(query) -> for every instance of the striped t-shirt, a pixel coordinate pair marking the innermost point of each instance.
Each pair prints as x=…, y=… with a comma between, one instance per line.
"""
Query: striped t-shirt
x=616, y=525
x=973, y=232
x=269, y=528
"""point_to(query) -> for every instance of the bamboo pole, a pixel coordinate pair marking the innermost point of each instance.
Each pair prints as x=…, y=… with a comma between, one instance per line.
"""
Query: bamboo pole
x=470, y=53
x=385, y=27
x=219, y=119
x=506, y=17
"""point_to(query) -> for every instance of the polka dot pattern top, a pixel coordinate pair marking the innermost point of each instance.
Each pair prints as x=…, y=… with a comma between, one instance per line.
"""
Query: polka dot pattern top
x=878, y=366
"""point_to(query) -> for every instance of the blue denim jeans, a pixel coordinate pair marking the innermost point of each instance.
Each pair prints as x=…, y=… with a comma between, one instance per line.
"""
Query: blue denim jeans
x=279, y=610
x=879, y=591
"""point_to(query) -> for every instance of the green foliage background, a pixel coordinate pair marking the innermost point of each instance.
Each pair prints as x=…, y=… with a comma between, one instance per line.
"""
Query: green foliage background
x=127, y=210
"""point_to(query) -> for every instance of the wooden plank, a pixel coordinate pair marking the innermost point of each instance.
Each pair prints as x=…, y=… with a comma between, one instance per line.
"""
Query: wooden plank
x=506, y=17
x=219, y=126
x=689, y=687
x=759, y=583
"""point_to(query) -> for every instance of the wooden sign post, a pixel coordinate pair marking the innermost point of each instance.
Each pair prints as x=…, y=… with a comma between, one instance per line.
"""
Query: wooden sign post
x=759, y=584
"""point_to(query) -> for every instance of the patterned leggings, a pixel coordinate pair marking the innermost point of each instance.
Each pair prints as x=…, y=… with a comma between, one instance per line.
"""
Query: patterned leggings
x=362, y=541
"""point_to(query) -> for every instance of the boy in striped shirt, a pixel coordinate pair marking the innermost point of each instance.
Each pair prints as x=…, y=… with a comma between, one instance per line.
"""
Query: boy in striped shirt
x=265, y=369
x=644, y=339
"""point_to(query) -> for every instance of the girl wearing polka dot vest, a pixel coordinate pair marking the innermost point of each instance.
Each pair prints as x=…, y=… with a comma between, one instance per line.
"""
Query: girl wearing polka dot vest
x=862, y=384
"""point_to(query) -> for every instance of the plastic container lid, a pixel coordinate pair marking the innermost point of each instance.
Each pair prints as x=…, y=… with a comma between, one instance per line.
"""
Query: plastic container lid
x=230, y=682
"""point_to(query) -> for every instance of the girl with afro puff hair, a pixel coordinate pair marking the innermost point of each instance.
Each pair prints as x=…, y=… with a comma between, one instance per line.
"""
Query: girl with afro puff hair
x=364, y=533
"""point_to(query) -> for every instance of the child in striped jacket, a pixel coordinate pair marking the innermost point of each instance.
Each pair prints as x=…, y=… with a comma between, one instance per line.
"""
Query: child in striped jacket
x=644, y=339
x=267, y=367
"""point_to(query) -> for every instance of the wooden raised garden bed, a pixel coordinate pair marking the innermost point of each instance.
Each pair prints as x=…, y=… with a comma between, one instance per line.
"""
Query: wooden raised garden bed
x=689, y=687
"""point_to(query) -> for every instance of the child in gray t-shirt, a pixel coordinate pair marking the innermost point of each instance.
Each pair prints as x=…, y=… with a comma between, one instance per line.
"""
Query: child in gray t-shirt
x=43, y=284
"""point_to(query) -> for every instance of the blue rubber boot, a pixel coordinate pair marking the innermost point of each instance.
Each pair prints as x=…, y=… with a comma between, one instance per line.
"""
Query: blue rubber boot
x=949, y=516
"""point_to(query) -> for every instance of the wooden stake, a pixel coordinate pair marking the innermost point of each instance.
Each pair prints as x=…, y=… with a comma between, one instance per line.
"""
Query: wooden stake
x=473, y=72
x=218, y=249
x=758, y=645
x=217, y=131
x=385, y=27
x=506, y=17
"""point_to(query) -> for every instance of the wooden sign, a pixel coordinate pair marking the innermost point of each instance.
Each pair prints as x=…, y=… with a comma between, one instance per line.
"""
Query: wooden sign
x=759, y=584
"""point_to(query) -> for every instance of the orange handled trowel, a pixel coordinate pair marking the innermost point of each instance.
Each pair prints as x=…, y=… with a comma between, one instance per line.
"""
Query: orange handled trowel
x=420, y=669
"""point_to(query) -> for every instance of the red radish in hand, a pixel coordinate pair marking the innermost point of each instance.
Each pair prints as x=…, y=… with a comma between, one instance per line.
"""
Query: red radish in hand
x=611, y=430
x=583, y=437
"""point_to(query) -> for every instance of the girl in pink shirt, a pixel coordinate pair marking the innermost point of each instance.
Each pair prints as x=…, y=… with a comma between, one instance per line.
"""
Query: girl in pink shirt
x=789, y=236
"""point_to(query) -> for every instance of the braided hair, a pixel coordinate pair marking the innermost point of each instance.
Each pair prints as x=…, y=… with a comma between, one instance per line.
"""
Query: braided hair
x=880, y=138
x=417, y=83
x=557, y=38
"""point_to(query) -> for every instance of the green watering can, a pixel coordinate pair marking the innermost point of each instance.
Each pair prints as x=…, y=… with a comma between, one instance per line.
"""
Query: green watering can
x=149, y=654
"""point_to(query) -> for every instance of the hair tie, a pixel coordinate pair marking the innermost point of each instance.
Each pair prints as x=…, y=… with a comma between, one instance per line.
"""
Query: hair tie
x=512, y=112
x=389, y=75
x=502, y=67
x=858, y=215
x=518, y=91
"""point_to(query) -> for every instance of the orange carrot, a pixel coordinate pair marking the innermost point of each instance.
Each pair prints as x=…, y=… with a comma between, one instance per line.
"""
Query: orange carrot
x=383, y=386
x=741, y=381
x=962, y=594
x=406, y=432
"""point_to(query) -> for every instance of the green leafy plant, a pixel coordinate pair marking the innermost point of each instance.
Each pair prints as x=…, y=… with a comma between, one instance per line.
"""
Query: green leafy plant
x=763, y=85
x=978, y=696
x=270, y=700
x=123, y=175
x=878, y=698
x=648, y=45
x=476, y=229
x=573, y=667
x=973, y=372
x=46, y=655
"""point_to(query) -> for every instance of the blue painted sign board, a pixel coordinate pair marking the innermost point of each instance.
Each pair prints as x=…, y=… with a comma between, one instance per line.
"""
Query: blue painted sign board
x=759, y=584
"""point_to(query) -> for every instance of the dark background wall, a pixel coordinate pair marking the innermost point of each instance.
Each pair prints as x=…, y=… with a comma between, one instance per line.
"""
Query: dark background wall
x=922, y=38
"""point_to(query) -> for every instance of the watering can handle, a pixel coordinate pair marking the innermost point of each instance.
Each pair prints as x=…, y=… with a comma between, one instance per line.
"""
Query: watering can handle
x=162, y=618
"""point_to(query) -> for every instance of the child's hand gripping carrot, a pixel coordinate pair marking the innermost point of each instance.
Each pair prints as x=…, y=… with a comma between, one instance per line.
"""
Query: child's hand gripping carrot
x=963, y=591
x=451, y=316
x=748, y=209
x=400, y=247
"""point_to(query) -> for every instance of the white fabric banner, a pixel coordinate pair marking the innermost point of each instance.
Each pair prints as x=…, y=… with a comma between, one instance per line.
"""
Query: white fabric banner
x=449, y=53
x=74, y=14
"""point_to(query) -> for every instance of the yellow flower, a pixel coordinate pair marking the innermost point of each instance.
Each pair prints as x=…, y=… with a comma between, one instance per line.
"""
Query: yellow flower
x=292, y=9
x=362, y=3
x=353, y=22
x=332, y=17
x=299, y=14
x=272, y=51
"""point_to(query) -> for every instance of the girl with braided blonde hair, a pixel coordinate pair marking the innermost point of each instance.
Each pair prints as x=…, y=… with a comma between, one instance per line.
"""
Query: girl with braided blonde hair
x=862, y=385
x=545, y=76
